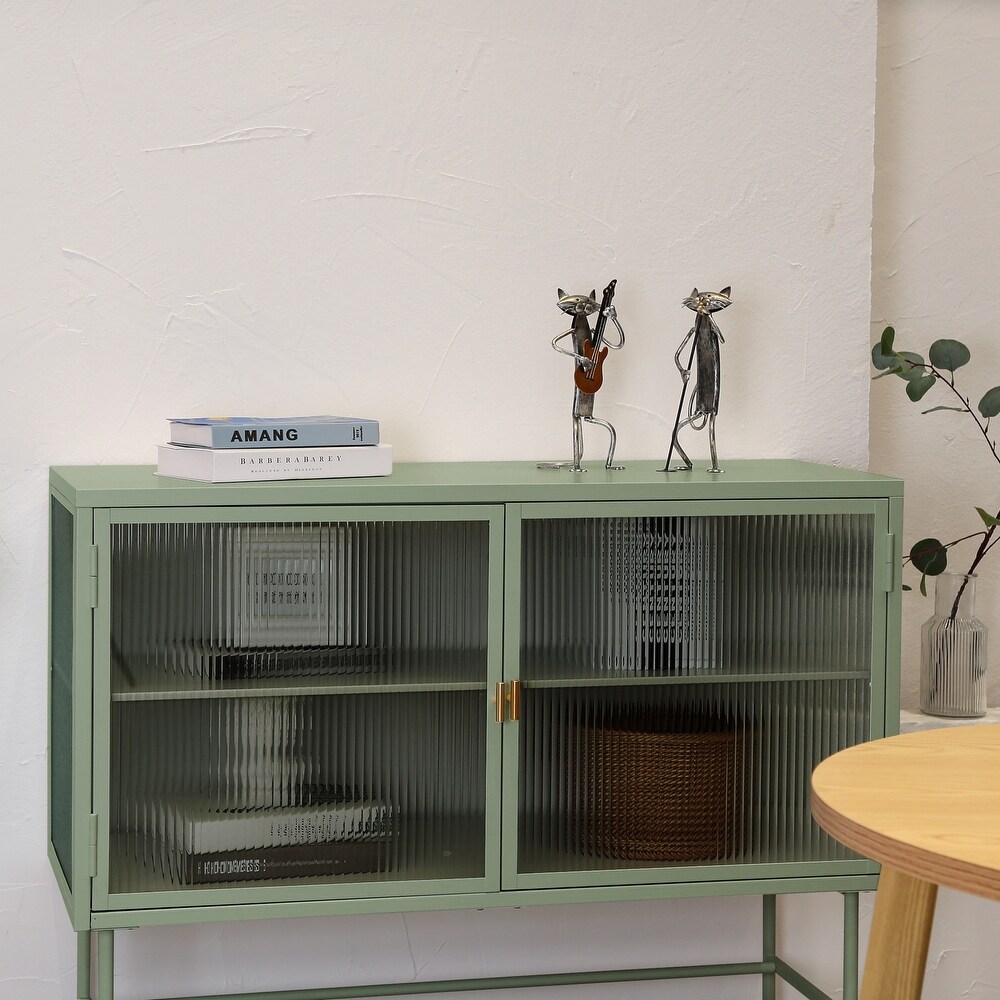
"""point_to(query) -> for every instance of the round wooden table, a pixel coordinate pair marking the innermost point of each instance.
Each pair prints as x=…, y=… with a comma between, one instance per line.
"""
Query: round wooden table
x=927, y=806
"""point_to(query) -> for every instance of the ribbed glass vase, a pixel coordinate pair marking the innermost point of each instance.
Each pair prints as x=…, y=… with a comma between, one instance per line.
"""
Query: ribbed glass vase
x=953, y=651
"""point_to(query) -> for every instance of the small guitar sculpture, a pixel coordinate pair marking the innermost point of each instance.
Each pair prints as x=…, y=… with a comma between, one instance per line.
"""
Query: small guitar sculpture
x=591, y=378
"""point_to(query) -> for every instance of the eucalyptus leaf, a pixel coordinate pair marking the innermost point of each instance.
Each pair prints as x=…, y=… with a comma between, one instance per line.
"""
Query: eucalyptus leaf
x=923, y=585
x=912, y=366
x=989, y=405
x=888, y=336
x=934, y=409
x=949, y=354
x=906, y=586
x=929, y=556
x=884, y=361
x=917, y=388
x=988, y=519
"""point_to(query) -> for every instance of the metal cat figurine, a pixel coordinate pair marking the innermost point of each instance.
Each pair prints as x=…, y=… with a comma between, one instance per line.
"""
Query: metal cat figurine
x=703, y=407
x=589, y=350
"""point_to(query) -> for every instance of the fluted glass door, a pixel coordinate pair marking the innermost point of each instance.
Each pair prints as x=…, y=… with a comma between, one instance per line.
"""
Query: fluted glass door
x=299, y=707
x=683, y=668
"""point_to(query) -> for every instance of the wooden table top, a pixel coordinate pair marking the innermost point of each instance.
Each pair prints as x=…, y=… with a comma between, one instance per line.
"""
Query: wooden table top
x=926, y=803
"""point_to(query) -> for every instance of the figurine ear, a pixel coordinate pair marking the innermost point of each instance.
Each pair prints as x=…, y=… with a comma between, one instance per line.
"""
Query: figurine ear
x=694, y=292
x=560, y=293
x=593, y=293
x=726, y=291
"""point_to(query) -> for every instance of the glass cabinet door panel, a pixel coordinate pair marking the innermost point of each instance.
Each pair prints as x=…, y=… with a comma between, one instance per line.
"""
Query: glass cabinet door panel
x=340, y=788
x=202, y=606
x=303, y=702
x=668, y=775
x=671, y=596
x=682, y=676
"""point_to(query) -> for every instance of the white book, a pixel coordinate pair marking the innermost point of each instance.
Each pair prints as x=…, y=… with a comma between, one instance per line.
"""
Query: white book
x=227, y=465
x=206, y=831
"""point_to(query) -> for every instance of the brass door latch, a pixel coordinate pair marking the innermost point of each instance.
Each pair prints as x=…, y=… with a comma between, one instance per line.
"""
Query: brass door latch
x=507, y=701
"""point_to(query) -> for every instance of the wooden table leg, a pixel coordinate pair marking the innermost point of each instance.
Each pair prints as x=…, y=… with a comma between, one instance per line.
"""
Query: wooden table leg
x=901, y=933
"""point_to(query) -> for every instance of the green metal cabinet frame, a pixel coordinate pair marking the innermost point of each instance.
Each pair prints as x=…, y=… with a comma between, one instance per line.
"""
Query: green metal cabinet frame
x=85, y=500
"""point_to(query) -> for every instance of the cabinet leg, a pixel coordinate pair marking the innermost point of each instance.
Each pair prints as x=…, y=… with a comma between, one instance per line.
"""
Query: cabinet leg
x=851, y=945
x=105, y=965
x=769, y=952
x=83, y=965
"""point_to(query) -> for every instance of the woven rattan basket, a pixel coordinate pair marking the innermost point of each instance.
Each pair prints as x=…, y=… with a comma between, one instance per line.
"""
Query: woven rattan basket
x=659, y=796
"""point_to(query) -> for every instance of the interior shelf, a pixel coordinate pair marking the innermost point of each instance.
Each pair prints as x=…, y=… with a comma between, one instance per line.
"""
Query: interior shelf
x=822, y=848
x=569, y=680
x=287, y=688
x=189, y=673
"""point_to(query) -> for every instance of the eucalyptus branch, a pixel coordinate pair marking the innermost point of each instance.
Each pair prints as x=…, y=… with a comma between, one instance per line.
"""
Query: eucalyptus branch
x=983, y=549
x=930, y=555
x=943, y=545
x=949, y=381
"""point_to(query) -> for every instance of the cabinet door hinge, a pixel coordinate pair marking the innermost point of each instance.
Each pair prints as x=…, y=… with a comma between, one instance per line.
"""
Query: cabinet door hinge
x=93, y=576
x=890, y=563
x=93, y=845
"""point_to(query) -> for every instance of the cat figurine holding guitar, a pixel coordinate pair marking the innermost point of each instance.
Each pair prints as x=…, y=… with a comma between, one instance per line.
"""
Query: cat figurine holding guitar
x=589, y=349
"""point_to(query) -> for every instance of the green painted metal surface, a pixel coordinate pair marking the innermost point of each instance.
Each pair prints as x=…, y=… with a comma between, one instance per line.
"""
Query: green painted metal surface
x=769, y=945
x=512, y=673
x=70, y=705
x=188, y=911
x=697, y=874
x=851, y=942
x=105, y=965
x=894, y=610
x=61, y=622
x=505, y=982
x=495, y=673
x=698, y=506
x=797, y=981
x=83, y=965
x=101, y=741
x=477, y=482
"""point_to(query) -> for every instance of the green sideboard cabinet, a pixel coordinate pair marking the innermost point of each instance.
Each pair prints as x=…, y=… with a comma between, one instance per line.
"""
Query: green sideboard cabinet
x=462, y=685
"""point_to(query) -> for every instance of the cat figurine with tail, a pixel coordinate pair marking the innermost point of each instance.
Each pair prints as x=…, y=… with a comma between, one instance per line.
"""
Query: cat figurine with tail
x=703, y=406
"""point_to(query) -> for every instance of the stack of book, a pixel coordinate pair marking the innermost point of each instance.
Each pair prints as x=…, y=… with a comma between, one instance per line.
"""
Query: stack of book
x=224, y=845
x=255, y=449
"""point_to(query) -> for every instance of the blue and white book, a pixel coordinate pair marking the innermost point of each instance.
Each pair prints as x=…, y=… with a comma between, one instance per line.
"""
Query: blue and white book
x=273, y=432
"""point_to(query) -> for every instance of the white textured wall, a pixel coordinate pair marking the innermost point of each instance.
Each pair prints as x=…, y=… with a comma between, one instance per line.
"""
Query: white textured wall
x=366, y=208
x=935, y=274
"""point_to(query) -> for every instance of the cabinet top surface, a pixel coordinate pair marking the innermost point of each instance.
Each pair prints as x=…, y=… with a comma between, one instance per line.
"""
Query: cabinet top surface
x=477, y=482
